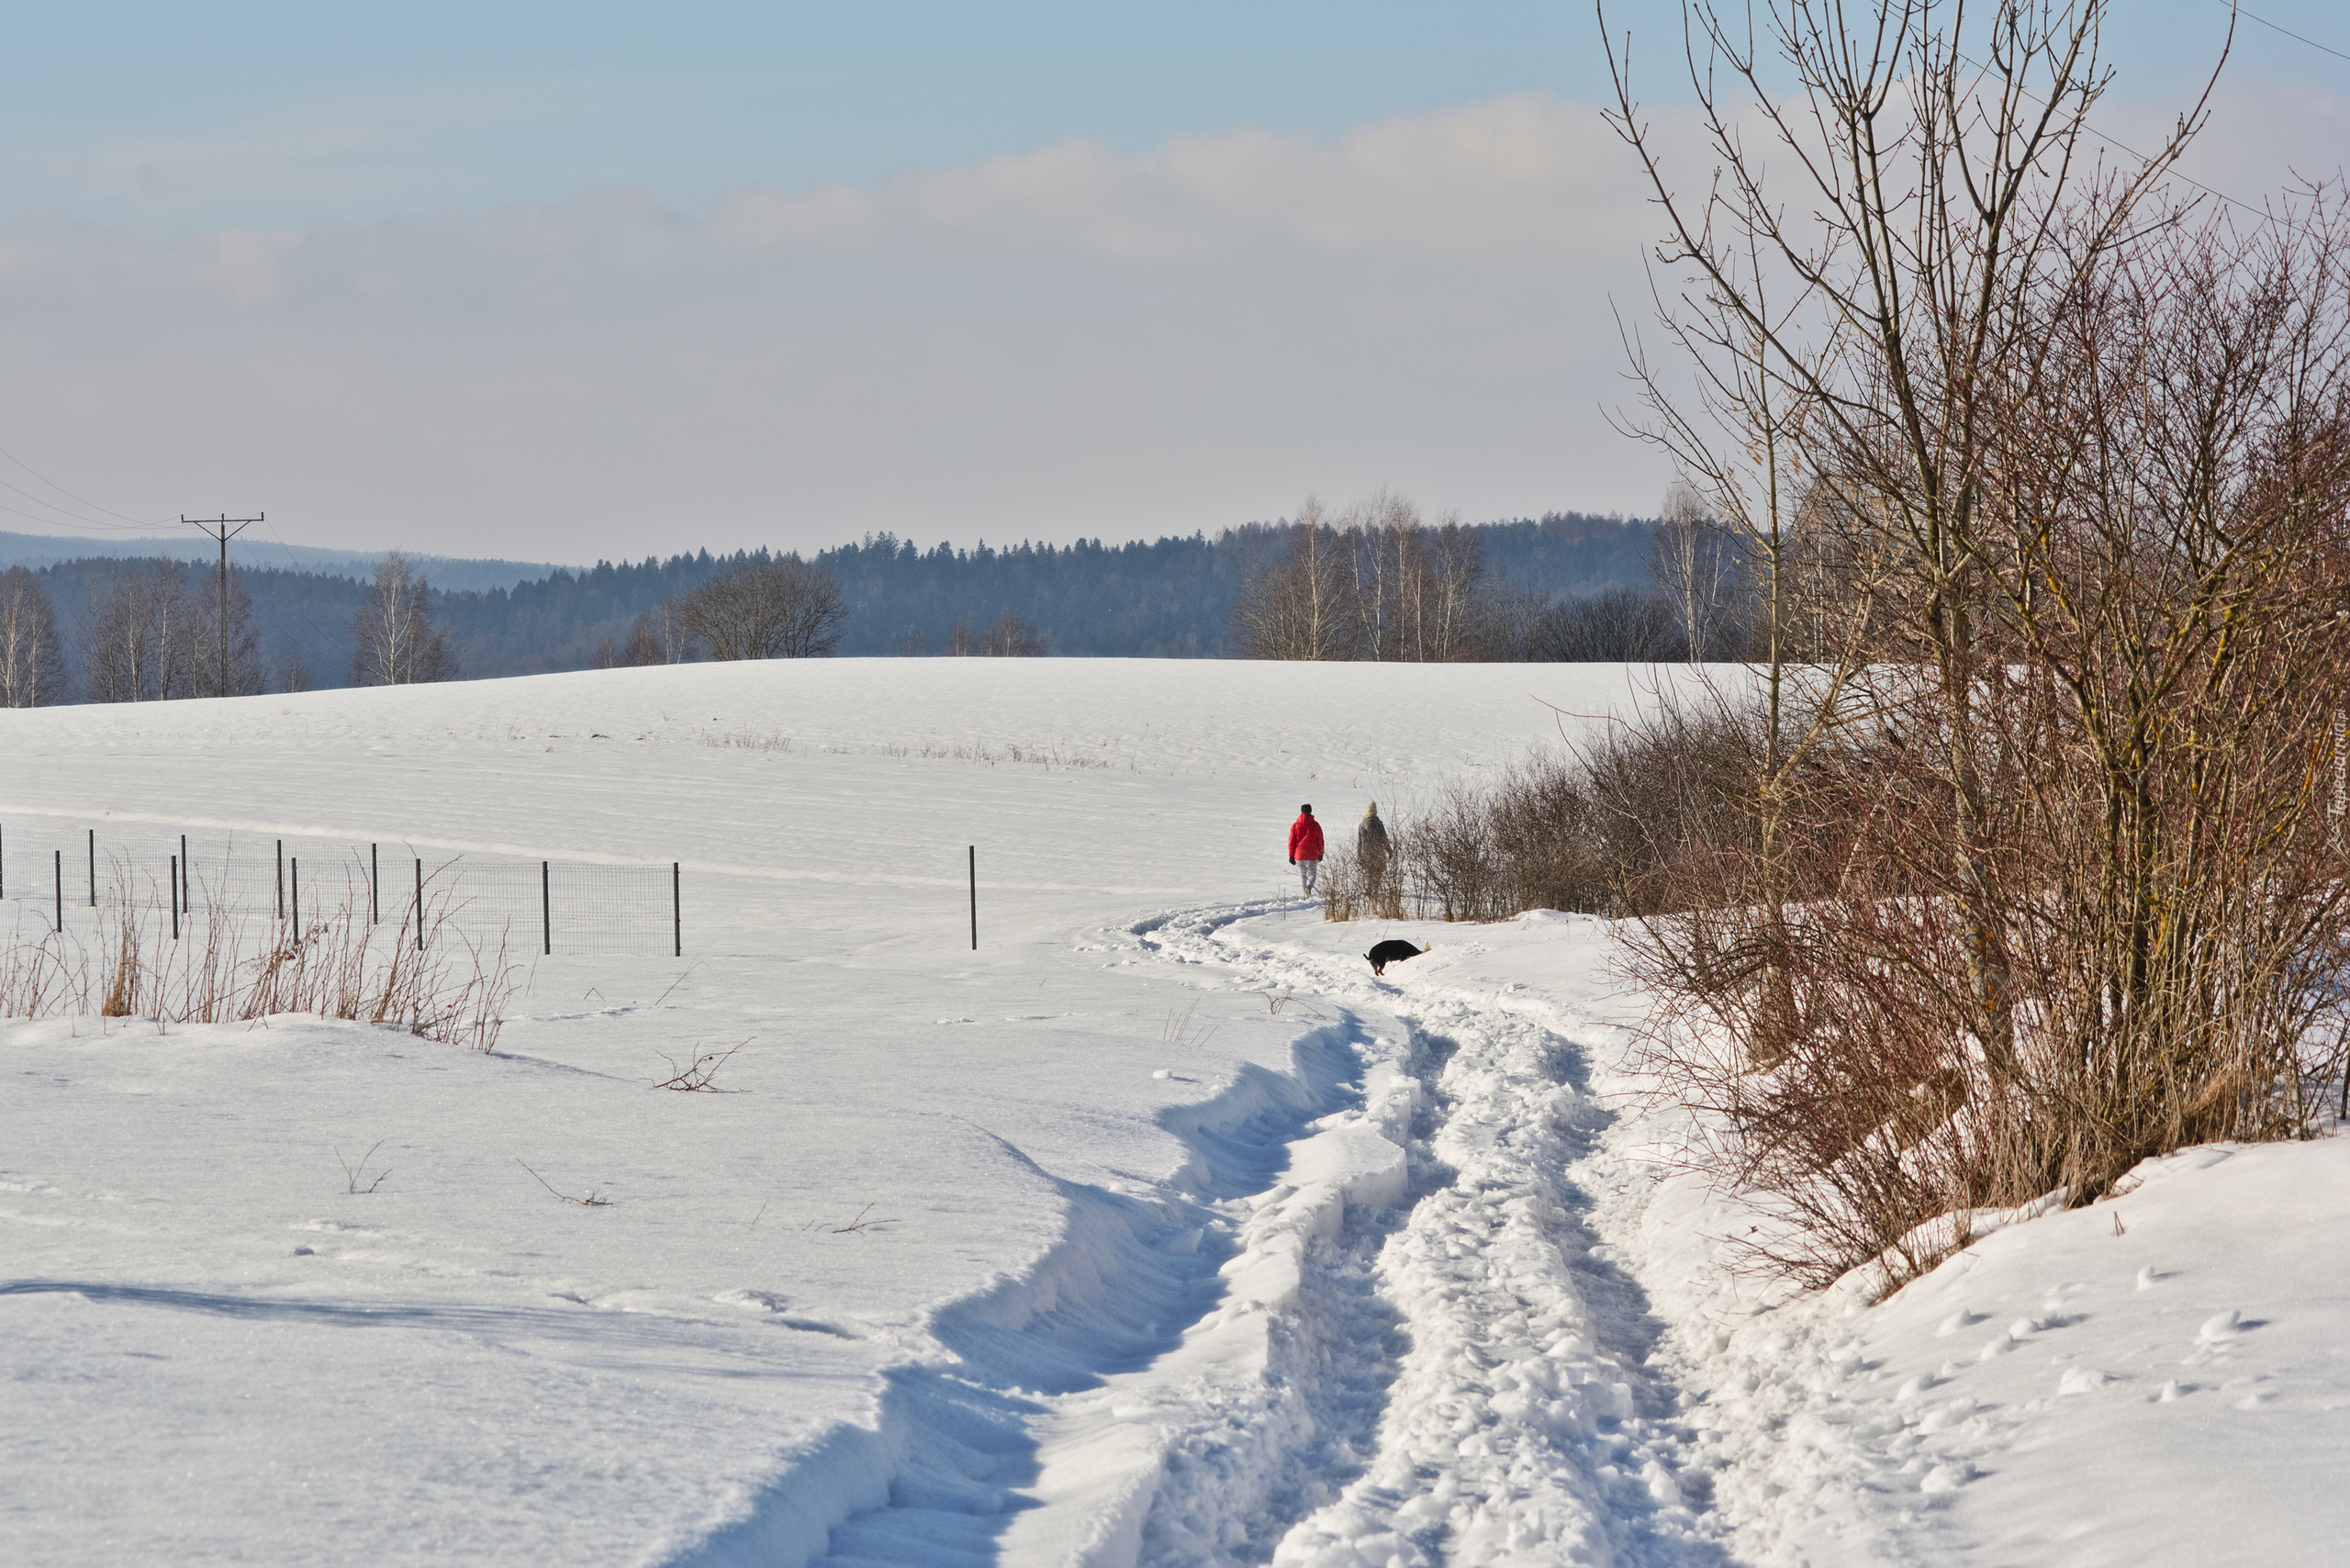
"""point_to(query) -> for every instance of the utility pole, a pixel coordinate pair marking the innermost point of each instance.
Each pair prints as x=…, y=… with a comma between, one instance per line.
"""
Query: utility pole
x=219, y=528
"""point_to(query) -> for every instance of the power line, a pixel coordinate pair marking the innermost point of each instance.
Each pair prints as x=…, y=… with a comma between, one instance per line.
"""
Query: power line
x=126, y=521
x=2288, y=32
x=2263, y=214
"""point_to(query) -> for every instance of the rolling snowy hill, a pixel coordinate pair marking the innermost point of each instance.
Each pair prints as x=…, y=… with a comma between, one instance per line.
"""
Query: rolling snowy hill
x=1154, y=1230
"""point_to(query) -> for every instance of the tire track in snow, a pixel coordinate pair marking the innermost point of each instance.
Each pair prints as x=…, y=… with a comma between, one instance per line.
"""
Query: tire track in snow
x=1522, y=1426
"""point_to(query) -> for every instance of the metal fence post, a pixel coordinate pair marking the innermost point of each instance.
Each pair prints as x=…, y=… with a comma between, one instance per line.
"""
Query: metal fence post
x=180, y=891
x=419, y=904
x=176, y=898
x=94, y=868
x=281, y=879
x=547, y=909
x=676, y=912
x=297, y=898
x=975, y=898
x=374, y=886
x=61, y=892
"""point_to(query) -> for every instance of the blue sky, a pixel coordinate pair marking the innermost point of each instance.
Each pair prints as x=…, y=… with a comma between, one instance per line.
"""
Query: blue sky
x=580, y=280
x=360, y=110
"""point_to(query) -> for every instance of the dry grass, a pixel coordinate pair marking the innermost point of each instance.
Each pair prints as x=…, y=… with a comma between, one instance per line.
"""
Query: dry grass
x=228, y=968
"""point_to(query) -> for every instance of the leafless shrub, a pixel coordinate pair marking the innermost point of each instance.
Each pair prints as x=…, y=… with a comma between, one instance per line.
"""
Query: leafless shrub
x=1617, y=625
x=594, y=1200
x=356, y=1172
x=1623, y=824
x=856, y=1226
x=1275, y=1005
x=698, y=1076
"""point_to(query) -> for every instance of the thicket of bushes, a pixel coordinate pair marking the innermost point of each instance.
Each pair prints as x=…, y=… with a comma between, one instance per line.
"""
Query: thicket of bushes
x=1622, y=826
x=1816, y=972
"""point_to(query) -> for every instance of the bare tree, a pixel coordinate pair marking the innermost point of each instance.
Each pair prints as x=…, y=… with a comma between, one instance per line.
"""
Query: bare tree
x=1011, y=635
x=1696, y=562
x=2039, y=881
x=1375, y=582
x=1306, y=605
x=242, y=667
x=786, y=608
x=644, y=643
x=142, y=641
x=1389, y=572
x=32, y=667
x=400, y=641
x=293, y=670
x=1451, y=600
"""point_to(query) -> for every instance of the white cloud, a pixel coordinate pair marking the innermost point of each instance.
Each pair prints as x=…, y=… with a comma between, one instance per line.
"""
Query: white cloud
x=1485, y=179
x=1069, y=341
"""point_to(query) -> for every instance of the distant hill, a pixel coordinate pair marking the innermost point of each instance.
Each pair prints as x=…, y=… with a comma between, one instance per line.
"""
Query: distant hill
x=1170, y=597
x=247, y=552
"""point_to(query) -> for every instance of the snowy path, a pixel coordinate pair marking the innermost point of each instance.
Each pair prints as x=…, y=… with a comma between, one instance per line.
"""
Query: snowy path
x=1371, y=1323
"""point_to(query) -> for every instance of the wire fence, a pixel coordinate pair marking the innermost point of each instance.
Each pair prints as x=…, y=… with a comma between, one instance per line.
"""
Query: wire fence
x=59, y=874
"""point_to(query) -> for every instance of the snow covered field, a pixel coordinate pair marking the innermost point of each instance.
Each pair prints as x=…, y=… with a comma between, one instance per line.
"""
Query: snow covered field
x=1155, y=1230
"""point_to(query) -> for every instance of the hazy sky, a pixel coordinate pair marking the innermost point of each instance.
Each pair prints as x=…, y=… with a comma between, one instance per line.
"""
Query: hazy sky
x=580, y=280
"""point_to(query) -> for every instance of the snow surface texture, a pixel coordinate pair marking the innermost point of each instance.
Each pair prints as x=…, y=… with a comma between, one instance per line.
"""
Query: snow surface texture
x=1155, y=1230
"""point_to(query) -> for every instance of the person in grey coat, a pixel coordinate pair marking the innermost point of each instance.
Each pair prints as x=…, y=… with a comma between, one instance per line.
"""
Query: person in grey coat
x=1370, y=843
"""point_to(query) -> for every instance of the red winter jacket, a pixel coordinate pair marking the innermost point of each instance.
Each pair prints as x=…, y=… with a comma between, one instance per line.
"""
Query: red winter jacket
x=1305, y=838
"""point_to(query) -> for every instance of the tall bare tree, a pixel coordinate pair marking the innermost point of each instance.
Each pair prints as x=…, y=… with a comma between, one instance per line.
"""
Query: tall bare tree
x=1695, y=561
x=142, y=641
x=32, y=665
x=1306, y=605
x=400, y=641
x=1376, y=582
x=1937, y=151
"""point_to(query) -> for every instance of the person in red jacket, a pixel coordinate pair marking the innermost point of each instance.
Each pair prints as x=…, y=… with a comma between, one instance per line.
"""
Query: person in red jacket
x=1305, y=847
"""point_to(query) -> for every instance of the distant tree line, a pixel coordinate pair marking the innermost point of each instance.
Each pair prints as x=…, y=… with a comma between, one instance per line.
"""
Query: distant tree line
x=1376, y=581
x=121, y=629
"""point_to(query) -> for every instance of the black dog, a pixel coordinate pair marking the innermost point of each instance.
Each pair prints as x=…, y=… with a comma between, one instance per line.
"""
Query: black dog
x=1391, y=951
